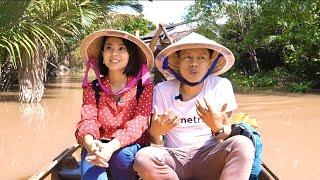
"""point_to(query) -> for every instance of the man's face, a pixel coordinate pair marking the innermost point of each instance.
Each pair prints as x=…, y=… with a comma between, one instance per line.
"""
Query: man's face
x=194, y=64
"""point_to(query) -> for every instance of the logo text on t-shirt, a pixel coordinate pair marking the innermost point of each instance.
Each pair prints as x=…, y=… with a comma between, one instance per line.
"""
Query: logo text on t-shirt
x=191, y=120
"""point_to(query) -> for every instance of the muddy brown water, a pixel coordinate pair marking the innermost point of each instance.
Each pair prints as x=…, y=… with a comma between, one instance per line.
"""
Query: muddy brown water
x=32, y=135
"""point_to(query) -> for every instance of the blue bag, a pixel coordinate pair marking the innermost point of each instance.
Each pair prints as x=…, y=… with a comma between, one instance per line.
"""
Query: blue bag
x=246, y=130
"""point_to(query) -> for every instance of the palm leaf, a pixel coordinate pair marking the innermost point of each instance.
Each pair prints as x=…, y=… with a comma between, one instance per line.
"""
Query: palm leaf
x=18, y=52
x=9, y=47
x=10, y=17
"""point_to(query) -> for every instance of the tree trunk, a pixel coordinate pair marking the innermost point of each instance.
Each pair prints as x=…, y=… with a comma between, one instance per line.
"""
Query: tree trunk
x=254, y=59
x=31, y=77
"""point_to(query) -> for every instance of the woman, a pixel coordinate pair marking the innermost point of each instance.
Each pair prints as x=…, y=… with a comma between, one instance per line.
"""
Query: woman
x=117, y=106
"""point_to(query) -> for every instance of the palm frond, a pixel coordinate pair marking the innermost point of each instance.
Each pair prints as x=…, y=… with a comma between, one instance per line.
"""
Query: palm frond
x=111, y=5
x=11, y=12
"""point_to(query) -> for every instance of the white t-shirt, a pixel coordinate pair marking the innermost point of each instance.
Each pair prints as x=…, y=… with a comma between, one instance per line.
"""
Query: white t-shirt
x=191, y=130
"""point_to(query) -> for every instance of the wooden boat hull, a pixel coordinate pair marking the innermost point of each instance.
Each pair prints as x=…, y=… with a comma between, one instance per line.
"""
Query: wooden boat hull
x=66, y=166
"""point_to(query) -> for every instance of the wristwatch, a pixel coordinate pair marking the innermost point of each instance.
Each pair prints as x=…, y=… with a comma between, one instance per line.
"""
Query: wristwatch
x=221, y=130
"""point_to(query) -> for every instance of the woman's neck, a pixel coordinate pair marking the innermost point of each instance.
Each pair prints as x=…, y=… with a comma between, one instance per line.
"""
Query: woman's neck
x=189, y=92
x=117, y=80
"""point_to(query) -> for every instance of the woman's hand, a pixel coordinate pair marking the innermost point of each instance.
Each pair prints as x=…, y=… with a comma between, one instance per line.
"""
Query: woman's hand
x=102, y=156
x=161, y=124
x=93, y=146
x=214, y=119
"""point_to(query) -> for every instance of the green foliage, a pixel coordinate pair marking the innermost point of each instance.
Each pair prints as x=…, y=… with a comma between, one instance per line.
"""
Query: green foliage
x=247, y=83
x=10, y=18
x=239, y=81
x=54, y=25
x=300, y=87
x=278, y=78
x=295, y=28
x=110, y=5
x=139, y=23
x=289, y=28
x=236, y=19
x=45, y=25
x=36, y=32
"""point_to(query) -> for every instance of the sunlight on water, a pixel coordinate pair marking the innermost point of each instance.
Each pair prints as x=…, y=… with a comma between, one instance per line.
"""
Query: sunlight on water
x=33, y=115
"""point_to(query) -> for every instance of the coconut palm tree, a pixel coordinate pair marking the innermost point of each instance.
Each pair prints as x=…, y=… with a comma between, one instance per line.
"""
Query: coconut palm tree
x=39, y=29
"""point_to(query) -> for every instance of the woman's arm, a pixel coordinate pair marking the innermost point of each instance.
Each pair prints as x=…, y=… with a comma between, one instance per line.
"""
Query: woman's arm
x=88, y=123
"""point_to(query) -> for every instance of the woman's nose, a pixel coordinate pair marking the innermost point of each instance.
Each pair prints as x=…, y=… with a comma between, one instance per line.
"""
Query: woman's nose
x=113, y=51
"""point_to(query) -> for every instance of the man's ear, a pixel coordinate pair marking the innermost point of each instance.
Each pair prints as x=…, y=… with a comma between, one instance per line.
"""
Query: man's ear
x=213, y=56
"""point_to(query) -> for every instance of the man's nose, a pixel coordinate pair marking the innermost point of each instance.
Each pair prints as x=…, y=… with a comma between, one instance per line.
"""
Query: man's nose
x=194, y=62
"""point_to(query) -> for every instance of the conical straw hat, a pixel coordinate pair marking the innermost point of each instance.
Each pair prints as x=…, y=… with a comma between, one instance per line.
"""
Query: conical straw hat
x=195, y=40
x=91, y=45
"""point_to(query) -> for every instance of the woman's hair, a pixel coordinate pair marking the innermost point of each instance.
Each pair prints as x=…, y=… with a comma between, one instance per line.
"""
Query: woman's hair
x=134, y=63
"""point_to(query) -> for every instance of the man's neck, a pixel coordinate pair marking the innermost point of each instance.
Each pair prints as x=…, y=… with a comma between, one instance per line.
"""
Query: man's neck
x=189, y=92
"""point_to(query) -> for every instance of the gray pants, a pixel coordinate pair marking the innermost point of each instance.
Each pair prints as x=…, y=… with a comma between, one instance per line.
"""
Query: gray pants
x=230, y=159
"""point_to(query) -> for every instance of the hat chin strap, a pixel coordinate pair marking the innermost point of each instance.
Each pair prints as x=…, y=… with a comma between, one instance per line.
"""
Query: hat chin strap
x=165, y=66
x=143, y=74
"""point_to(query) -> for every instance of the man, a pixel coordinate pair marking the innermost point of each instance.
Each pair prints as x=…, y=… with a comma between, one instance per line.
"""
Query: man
x=190, y=127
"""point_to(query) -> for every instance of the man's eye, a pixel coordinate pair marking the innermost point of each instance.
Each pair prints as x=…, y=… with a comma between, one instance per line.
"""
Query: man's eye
x=188, y=58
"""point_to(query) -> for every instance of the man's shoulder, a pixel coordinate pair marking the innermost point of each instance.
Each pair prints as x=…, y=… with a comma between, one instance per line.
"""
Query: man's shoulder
x=215, y=80
x=167, y=84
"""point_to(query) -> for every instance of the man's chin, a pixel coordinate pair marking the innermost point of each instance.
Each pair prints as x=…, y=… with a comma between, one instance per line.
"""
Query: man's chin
x=194, y=80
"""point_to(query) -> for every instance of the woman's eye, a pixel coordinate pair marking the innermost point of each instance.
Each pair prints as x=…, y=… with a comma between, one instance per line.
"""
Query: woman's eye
x=108, y=48
x=122, y=49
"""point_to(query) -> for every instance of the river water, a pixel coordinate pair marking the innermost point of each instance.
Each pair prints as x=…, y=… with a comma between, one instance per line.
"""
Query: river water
x=33, y=135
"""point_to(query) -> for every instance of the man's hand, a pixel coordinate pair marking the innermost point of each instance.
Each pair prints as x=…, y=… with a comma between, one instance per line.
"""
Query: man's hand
x=161, y=124
x=214, y=119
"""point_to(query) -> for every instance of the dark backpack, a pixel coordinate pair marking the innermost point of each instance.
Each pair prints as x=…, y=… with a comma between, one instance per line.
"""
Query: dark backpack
x=97, y=90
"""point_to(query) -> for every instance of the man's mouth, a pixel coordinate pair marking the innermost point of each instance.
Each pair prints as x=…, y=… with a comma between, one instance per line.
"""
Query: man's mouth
x=193, y=71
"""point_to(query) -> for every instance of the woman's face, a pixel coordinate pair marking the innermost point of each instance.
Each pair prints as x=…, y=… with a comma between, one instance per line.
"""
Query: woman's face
x=115, y=54
x=194, y=64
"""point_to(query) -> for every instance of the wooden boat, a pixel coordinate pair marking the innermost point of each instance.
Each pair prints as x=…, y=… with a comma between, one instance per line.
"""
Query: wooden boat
x=66, y=167
x=66, y=164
